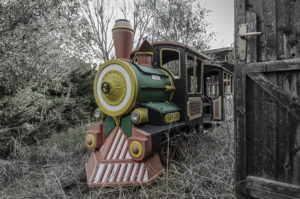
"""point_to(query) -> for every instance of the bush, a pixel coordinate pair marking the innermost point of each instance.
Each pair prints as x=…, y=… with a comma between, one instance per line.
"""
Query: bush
x=36, y=112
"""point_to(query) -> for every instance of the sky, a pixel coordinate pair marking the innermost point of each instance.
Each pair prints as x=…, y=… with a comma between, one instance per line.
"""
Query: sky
x=222, y=21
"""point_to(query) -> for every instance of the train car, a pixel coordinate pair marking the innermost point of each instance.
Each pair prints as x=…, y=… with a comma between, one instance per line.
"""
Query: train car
x=146, y=98
x=218, y=95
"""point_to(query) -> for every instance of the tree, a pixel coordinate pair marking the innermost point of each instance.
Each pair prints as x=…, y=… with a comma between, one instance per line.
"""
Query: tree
x=38, y=41
x=45, y=80
x=179, y=20
x=182, y=21
x=100, y=15
x=143, y=16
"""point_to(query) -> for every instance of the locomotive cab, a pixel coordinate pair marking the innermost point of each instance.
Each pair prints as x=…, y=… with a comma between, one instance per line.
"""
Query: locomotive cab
x=185, y=65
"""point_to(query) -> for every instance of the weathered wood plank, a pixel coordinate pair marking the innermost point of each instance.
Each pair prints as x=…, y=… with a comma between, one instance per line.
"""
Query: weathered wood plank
x=295, y=124
x=258, y=134
x=283, y=21
x=289, y=87
x=251, y=58
x=250, y=126
x=295, y=44
x=269, y=44
x=239, y=106
x=272, y=66
x=239, y=6
x=258, y=10
x=249, y=5
x=296, y=158
x=283, y=134
x=240, y=130
x=269, y=189
x=279, y=95
x=251, y=41
x=269, y=112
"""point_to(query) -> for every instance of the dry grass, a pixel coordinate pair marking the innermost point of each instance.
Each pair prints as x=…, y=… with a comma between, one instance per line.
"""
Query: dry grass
x=55, y=169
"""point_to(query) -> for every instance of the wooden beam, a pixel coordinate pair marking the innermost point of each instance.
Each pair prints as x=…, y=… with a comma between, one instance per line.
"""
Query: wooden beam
x=284, y=99
x=273, y=66
x=270, y=189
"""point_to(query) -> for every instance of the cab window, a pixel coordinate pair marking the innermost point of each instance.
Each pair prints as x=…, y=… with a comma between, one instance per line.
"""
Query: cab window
x=227, y=83
x=170, y=59
x=212, y=86
x=190, y=74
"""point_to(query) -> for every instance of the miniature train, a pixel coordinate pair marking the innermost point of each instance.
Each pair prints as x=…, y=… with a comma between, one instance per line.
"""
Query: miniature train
x=146, y=97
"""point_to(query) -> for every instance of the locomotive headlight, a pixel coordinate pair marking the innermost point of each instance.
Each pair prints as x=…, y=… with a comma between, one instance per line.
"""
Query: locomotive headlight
x=135, y=117
x=136, y=149
x=139, y=115
x=99, y=114
x=90, y=141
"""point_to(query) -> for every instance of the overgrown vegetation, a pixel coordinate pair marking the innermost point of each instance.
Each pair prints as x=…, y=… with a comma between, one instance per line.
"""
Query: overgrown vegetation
x=54, y=168
x=46, y=83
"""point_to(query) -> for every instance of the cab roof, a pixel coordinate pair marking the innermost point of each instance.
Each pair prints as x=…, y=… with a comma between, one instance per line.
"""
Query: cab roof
x=176, y=44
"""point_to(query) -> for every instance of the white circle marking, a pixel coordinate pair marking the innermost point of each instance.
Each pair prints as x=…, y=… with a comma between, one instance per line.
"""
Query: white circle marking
x=128, y=85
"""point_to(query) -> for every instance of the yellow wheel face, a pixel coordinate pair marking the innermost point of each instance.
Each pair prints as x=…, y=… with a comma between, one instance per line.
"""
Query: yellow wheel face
x=116, y=92
x=115, y=88
x=136, y=149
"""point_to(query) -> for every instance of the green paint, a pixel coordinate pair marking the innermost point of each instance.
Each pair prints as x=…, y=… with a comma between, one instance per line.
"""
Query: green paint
x=109, y=125
x=151, y=70
x=126, y=125
x=163, y=107
x=154, y=81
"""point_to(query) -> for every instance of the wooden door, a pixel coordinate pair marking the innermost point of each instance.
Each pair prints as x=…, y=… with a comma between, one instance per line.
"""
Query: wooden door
x=217, y=108
x=267, y=99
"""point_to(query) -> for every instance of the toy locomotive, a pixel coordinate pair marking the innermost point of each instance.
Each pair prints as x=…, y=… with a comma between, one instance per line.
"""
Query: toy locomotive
x=146, y=97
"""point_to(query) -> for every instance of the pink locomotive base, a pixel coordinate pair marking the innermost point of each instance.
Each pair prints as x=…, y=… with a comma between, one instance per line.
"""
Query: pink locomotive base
x=112, y=164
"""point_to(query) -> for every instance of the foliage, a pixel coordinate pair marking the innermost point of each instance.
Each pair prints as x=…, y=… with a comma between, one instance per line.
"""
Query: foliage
x=33, y=113
x=45, y=82
x=38, y=42
x=182, y=21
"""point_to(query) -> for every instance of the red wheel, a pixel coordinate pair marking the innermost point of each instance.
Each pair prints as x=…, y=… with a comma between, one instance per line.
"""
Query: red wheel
x=167, y=153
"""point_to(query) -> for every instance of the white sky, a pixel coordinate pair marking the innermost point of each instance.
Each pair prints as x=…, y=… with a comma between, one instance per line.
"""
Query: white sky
x=222, y=23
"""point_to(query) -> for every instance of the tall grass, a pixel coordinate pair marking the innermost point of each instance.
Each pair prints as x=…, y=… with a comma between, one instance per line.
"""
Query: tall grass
x=54, y=168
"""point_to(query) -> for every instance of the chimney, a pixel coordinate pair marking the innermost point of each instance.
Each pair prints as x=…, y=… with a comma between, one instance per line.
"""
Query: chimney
x=123, y=38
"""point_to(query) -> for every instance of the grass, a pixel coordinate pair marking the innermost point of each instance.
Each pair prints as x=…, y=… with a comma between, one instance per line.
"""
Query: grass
x=54, y=168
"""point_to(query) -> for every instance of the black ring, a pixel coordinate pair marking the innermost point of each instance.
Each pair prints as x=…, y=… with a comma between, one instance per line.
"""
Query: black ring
x=105, y=87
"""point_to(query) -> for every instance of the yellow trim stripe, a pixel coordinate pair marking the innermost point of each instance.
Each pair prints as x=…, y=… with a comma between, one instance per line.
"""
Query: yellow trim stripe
x=172, y=82
x=161, y=65
x=144, y=53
